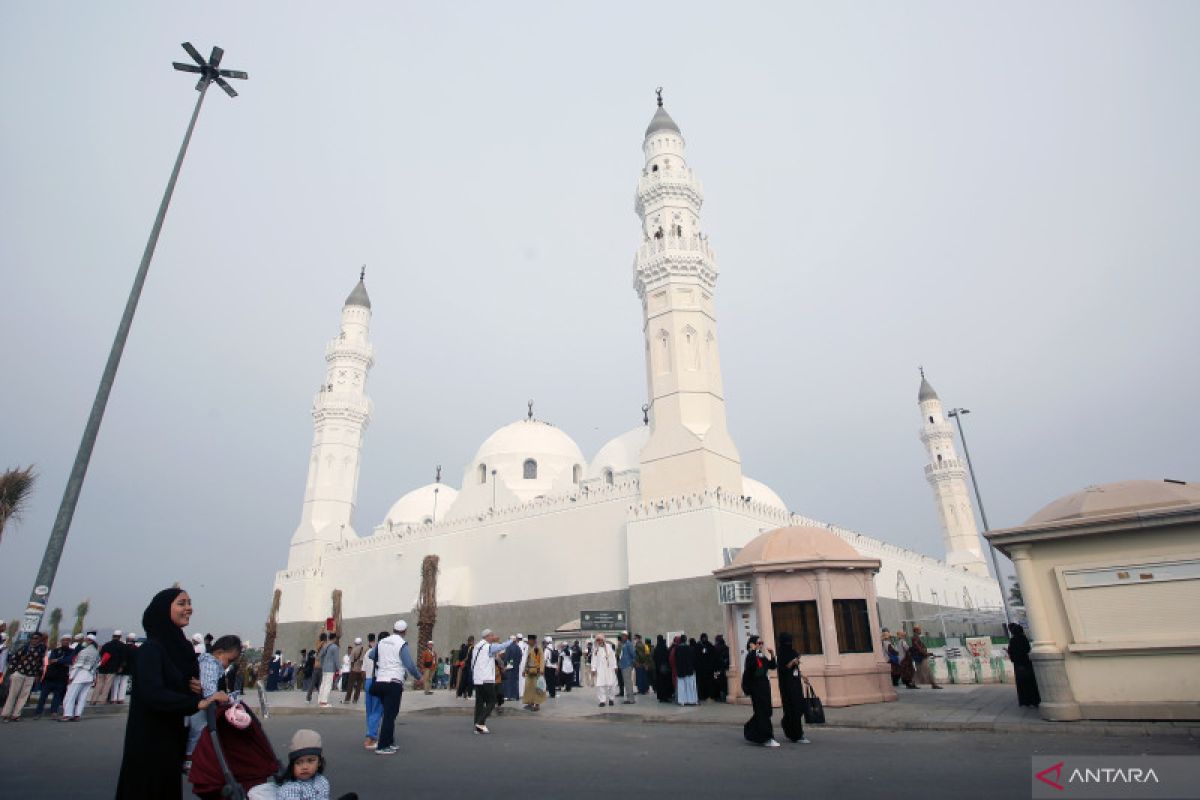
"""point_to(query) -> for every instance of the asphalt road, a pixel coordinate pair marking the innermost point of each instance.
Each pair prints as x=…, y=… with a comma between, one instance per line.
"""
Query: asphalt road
x=440, y=757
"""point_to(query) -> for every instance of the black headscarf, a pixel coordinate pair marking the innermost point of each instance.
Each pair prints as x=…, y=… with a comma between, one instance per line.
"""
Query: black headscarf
x=156, y=621
x=786, y=650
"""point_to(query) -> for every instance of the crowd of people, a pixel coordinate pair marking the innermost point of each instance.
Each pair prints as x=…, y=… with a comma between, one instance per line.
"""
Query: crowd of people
x=77, y=673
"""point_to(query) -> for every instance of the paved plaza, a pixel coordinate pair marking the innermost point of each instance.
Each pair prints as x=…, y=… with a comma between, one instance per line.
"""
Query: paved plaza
x=588, y=757
x=964, y=736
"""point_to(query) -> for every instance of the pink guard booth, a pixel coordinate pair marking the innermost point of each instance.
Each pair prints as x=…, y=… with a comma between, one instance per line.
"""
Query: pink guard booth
x=811, y=583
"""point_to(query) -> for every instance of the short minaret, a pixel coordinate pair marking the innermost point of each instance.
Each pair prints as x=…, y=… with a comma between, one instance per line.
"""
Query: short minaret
x=341, y=412
x=675, y=275
x=948, y=477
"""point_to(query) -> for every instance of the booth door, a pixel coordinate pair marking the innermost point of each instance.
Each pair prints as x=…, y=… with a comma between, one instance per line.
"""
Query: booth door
x=801, y=620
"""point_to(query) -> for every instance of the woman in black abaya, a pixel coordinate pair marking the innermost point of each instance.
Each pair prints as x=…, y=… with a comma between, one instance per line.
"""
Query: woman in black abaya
x=664, y=688
x=166, y=690
x=791, y=691
x=1018, y=653
x=757, y=684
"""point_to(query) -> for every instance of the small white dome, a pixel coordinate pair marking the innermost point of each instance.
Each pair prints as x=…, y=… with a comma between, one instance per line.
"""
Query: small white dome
x=529, y=438
x=418, y=506
x=761, y=493
x=622, y=453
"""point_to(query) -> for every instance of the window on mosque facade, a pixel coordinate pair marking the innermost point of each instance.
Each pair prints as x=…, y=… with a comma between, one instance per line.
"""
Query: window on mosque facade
x=483, y=473
x=608, y=477
x=853, y=626
x=931, y=420
x=530, y=469
x=576, y=473
x=801, y=620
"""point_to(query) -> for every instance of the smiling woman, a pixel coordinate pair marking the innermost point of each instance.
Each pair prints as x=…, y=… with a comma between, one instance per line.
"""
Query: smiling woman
x=165, y=691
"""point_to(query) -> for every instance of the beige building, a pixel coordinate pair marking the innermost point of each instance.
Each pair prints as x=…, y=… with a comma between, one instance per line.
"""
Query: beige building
x=1111, y=582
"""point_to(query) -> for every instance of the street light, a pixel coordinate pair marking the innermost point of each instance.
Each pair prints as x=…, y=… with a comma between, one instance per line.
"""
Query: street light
x=958, y=414
x=210, y=72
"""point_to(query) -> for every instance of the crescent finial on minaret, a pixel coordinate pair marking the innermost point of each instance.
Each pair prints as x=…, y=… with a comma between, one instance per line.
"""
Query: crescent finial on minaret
x=362, y=273
x=921, y=369
x=438, y=477
x=645, y=413
x=530, y=404
x=658, y=92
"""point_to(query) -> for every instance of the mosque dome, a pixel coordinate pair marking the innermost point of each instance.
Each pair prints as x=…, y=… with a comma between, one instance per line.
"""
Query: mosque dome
x=761, y=493
x=620, y=454
x=418, y=506
x=1123, y=497
x=795, y=543
x=529, y=438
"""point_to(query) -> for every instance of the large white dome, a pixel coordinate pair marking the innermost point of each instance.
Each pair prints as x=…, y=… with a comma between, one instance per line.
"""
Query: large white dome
x=761, y=493
x=422, y=506
x=529, y=438
x=521, y=462
x=620, y=454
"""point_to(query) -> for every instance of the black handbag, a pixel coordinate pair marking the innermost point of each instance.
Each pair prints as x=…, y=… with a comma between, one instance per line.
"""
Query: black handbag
x=814, y=712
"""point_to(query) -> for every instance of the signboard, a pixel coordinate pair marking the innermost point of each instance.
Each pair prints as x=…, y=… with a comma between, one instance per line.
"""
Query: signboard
x=603, y=620
x=979, y=646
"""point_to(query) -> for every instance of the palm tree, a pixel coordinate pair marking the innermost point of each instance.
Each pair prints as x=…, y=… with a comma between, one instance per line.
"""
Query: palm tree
x=16, y=487
x=427, y=602
x=55, y=621
x=81, y=611
x=271, y=630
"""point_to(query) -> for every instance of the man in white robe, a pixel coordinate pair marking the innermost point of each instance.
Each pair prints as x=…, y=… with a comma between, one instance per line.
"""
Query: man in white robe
x=604, y=671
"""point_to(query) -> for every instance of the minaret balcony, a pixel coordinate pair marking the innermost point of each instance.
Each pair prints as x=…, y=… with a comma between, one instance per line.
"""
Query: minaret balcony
x=364, y=351
x=655, y=250
x=660, y=260
x=656, y=188
x=946, y=465
x=352, y=403
x=938, y=430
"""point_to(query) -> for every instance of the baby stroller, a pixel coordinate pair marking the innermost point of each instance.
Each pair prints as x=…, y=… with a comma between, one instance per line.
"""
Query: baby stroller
x=232, y=756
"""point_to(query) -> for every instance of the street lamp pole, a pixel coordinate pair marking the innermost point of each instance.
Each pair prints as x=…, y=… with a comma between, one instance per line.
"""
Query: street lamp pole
x=209, y=72
x=957, y=414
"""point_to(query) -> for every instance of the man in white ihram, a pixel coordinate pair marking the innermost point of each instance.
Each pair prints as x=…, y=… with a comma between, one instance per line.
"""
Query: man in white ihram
x=483, y=672
x=395, y=662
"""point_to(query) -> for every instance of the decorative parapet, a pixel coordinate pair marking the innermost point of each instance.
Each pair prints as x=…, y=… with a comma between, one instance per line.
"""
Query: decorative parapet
x=674, y=182
x=395, y=534
x=362, y=352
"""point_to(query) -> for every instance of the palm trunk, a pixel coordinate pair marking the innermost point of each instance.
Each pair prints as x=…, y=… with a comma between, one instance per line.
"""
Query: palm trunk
x=427, y=604
x=271, y=629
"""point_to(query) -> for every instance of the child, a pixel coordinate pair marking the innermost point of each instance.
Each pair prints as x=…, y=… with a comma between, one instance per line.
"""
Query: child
x=302, y=778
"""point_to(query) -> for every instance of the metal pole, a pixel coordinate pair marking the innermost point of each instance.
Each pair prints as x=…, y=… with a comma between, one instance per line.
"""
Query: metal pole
x=983, y=516
x=66, y=509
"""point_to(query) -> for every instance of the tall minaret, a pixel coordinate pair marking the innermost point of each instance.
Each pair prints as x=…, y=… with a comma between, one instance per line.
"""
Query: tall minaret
x=948, y=477
x=675, y=274
x=341, y=412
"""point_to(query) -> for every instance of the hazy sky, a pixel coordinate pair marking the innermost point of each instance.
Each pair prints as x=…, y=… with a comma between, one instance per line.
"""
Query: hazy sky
x=1004, y=193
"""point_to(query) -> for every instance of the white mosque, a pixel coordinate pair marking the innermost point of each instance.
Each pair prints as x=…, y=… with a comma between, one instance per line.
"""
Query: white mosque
x=637, y=528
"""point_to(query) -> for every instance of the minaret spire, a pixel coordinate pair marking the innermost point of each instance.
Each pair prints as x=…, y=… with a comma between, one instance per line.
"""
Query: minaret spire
x=341, y=413
x=947, y=477
x=675, y=275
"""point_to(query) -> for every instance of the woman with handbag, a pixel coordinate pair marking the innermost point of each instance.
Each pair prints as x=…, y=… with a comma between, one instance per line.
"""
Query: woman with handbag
x=756, y=683
x=791, y=691
x=534, y=696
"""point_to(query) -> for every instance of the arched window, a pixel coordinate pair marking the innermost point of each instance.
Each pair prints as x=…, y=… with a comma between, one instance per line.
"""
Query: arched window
x=931, y=420
x=608, y=477
x=530, y=469
x=576, y=473
x=427, y=521
x=903, y=593
x=939, y=458
x=483, y=473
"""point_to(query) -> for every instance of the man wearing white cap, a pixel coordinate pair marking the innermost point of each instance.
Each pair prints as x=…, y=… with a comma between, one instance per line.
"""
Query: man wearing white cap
x=483, y=673
x=354, y=681
x=394, y=663
x=121, y=685
x=83, y=672
x=112, y=655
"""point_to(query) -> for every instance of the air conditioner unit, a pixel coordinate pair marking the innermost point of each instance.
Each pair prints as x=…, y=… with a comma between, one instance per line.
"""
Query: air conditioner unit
x=735, y=592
